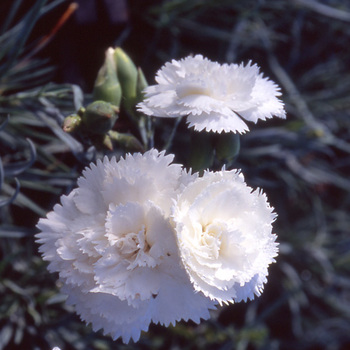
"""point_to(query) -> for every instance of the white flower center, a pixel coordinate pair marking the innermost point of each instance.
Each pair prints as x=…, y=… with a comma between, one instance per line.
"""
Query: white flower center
x=211, y=238
x=131, y=243
x=134, y=249
x=192, y=88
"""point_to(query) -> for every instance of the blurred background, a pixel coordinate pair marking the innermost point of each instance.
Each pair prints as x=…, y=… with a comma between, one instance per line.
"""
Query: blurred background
x=50, y=53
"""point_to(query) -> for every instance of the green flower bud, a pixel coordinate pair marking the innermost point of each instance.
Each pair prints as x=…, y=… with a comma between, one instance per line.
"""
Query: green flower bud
x=140, y=86
x=107, y=87
x=99, y=117
x=127, y=141
x=202, y=151
x=71, y=123
x=127, y=75
x=227, y=146
x=102, y=142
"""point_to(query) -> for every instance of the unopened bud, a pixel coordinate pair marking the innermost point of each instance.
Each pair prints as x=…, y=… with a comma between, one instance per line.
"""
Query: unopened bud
x=99, y=117
x=202, y=151
x=71, y=123
x=140, y=86
x=227, y=146
x=107, y=87
x=127, y=75
x=127, y=141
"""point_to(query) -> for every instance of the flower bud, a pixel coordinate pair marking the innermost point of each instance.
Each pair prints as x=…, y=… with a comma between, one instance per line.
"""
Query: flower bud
x=99, y=117
x=71, y=123
x=102, y=142
x=127, y=141
x=140, y=86
x=107, y=87
x=128, y=77
x=227, y=146
x=202, y=151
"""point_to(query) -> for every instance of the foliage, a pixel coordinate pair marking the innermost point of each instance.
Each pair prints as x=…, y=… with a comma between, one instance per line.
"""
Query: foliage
x=302, y=163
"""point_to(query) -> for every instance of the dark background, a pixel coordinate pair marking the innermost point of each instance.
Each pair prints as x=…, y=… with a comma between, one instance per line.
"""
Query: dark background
x=302, y=163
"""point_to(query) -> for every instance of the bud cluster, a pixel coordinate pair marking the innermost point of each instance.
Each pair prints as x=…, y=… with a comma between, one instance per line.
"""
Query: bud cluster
x=119, y=84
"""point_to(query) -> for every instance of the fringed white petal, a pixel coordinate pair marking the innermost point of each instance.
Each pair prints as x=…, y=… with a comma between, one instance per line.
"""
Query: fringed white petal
x=114, y=247
x=224, y=233
x=204, y=91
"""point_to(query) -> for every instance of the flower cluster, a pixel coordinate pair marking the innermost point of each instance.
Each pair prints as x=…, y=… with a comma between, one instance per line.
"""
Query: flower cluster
x=141, y=240
x=113, y=245
x=214, y=97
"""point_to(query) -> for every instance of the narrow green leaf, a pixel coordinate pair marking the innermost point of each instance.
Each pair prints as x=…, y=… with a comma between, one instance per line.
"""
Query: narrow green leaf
x=28, y=23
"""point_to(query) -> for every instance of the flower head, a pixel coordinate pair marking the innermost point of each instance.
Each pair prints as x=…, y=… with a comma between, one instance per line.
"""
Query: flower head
x=214, y=97
x=113, y=245
x=224, y=236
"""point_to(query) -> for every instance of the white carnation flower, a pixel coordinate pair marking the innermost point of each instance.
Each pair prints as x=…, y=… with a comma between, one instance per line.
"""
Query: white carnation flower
x=214, y=97
x=224, y=236
x=115, y=250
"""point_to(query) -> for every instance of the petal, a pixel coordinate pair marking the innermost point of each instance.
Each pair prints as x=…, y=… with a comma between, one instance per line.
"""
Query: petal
x=213, y=96
x=218, y=122
x=224, y=235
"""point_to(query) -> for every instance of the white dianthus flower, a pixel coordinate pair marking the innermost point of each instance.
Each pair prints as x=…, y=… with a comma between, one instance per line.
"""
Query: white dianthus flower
x=214, y=97
x=113, y=245
x=224, y=236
